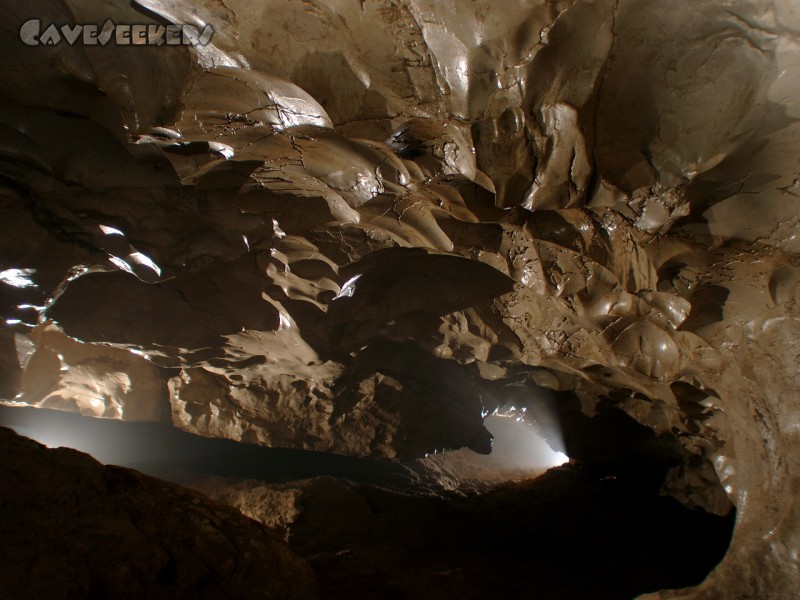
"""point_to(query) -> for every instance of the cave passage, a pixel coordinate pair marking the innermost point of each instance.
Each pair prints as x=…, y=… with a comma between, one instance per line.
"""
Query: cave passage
x=374, y=529
x=161, y=450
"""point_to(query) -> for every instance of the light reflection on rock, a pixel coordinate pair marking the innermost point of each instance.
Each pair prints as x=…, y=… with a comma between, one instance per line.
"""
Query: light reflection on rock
x=355, y=229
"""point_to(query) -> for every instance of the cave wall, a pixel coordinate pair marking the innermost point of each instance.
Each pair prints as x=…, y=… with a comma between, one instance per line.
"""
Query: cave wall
x=359, y=227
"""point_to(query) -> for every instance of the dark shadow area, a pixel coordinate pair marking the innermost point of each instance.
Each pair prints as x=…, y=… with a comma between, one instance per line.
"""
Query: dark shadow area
x=708, y=307
x=370, y=530
x=572, y=533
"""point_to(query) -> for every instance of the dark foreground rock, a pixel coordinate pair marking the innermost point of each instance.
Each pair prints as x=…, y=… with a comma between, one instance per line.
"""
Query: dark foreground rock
x=573, y=533
x=74, y=528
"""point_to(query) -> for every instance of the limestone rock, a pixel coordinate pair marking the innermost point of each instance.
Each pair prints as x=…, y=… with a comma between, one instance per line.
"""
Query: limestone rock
x=361, y=227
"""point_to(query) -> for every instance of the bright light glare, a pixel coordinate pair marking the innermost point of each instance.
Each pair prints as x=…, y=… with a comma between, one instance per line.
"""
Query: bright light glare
x=519, y=446
x=349, y=287
x=519, y=451
x=20, y=278
x=145, y=260
x=121, y=264
x=54, y=437
x=110, y=230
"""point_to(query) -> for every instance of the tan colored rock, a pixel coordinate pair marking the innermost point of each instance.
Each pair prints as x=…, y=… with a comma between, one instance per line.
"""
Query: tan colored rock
x=360, y=228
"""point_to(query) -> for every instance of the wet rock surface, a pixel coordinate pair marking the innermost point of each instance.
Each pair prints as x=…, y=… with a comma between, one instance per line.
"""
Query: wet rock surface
x=360, y=228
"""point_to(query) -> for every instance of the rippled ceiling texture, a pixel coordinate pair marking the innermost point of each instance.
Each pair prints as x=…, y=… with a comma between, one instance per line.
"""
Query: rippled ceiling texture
x=359, y=227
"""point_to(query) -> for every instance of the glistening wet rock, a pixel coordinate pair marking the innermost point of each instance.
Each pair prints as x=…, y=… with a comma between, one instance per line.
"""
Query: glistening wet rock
x=361, y=228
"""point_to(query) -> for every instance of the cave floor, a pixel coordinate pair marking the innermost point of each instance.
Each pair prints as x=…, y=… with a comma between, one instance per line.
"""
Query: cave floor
x=367, y=531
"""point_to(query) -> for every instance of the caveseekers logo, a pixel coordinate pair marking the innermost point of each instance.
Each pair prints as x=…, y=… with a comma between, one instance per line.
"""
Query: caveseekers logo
x=32, y=34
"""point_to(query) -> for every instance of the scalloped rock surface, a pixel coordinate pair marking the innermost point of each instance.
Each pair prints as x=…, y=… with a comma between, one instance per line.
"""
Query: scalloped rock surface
x=360, y=227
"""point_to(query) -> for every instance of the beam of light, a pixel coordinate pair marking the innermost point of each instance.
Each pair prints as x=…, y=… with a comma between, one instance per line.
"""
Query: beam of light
x=520, y=446
x=54, y=434
x=522, y=449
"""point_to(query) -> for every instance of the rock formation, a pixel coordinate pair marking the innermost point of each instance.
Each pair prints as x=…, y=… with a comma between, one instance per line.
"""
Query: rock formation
x=360, y=227
x=73, y=528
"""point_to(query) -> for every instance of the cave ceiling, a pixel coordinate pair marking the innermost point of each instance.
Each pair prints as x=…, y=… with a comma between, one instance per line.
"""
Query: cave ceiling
x=360, y=227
